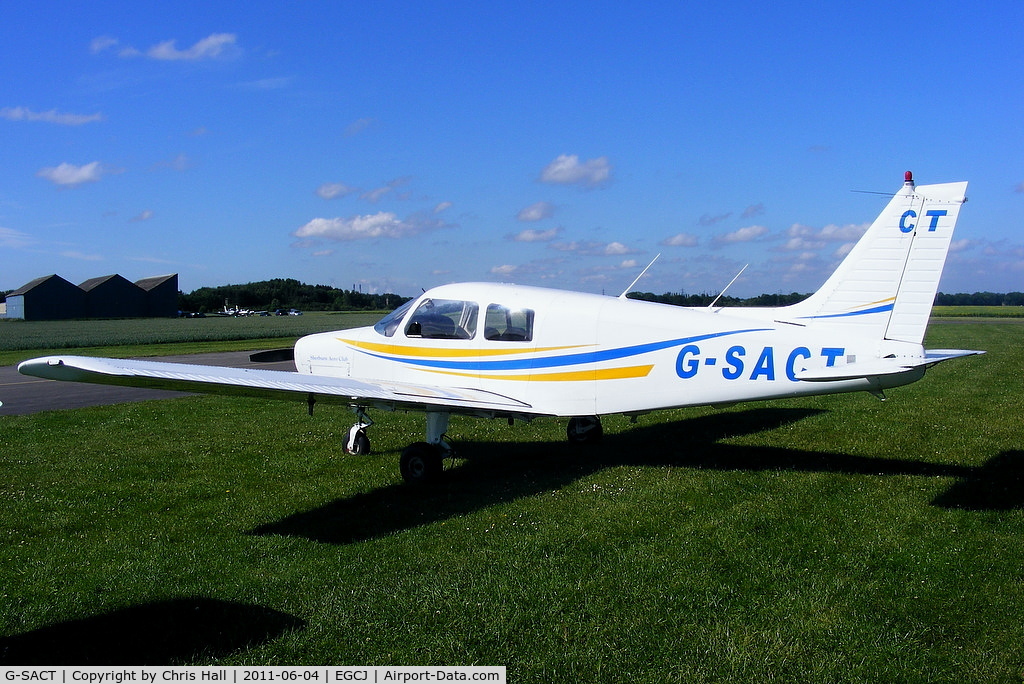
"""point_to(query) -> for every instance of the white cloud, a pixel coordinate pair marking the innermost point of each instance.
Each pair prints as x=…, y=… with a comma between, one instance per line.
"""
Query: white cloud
x=536, y=212
x=267, y=83
x=442, y=206
x=144, y=215
x=213, y=46
x=843, y=250
x=800, y=237
x=374, y=196
x=71, y=175
x=850, y=231
x=748, y=234
x=680, y=240
x=567, y=169
x=330, y=191
x=589, y=248
x=617, y=249
x=51, y=116
x=72, y=254
x=532, y=235
x=358, y=126
x=709, y=220
x=504, y=270
x=151, y=260
x=372, y=226
x=13, y=238
x=178, y=163
x=102, y=43
x=752, y=211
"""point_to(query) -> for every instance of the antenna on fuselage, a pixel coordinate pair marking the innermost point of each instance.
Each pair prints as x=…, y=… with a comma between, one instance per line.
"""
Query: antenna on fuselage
x=637, y=279
x=712, y=304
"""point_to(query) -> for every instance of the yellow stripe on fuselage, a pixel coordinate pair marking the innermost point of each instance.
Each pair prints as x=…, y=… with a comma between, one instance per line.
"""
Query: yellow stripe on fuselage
x=435, y=353
x=562, y=376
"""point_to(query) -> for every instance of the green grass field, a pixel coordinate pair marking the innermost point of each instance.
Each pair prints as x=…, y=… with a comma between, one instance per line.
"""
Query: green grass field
x=815, y=540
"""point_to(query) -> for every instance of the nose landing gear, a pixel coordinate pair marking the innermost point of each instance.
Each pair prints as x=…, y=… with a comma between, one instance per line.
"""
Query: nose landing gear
x=357, y=442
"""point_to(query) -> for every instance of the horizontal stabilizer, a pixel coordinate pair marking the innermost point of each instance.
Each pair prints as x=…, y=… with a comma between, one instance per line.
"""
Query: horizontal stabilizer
x=882, y=367
x=266, y=383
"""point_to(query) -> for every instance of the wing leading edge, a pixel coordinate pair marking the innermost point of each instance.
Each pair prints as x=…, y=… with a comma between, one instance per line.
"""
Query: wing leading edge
x=269, y=384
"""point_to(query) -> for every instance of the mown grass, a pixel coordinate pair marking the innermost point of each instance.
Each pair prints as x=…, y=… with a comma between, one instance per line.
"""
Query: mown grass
x=825, y=539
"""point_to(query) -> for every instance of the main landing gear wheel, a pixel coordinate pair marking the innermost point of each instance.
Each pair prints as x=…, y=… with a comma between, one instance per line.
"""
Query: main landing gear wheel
x=584, y=429
x=421, y=462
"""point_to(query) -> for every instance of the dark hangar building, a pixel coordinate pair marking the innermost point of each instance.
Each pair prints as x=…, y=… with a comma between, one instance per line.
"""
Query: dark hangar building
x=52, y=298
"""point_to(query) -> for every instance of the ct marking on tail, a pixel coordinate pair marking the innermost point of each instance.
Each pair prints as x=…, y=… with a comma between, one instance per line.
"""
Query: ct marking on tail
x=935, y=214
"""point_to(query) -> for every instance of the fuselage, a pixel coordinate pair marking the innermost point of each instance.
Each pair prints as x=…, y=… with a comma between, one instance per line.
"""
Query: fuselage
x=568, y=354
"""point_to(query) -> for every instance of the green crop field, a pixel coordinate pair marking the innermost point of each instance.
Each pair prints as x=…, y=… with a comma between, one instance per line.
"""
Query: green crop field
x=814, y=540
x=978, y=311
x=20, y=340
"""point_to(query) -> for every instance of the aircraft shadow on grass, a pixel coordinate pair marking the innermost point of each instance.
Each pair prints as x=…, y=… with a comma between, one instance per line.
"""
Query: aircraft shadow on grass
x=173, y=632
x=493, y=473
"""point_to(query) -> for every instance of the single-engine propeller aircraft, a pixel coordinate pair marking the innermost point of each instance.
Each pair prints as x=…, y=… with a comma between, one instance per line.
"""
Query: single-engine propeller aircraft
x=514, y=352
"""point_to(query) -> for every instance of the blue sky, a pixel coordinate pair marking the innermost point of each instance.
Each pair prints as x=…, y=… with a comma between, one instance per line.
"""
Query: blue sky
x=393, y=146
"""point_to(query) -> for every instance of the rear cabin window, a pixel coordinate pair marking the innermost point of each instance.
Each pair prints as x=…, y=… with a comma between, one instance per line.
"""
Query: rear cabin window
x=508, y=324
x=443, y=319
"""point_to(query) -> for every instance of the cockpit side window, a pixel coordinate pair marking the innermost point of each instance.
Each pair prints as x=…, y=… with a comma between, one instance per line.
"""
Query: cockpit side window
x=508, y=324
x=443, y=319
x=389, y=324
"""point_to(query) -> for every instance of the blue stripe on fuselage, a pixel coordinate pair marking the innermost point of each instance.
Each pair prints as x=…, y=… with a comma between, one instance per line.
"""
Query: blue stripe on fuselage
x=559, y=361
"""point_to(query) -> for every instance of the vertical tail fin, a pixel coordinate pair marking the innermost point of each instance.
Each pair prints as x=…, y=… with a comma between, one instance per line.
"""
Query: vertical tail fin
x=886, y=284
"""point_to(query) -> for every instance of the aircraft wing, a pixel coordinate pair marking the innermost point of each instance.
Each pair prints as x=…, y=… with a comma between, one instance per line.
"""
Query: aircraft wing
x=880, y=367
x=270, y=384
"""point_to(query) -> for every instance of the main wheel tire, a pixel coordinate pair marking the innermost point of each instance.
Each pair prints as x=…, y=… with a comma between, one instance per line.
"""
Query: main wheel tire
x=584, y=430
x=421, y=462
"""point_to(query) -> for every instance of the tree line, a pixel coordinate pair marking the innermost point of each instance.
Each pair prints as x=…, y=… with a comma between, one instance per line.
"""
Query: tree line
x=286, y=293
x=941, y=299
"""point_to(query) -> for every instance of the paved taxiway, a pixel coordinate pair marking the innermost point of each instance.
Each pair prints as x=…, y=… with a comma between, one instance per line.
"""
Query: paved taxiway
x=22, y=395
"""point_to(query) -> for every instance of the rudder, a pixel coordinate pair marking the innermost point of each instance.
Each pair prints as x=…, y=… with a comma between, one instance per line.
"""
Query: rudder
x=885, y=286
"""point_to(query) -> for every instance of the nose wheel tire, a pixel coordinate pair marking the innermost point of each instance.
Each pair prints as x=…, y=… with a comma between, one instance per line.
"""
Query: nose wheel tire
x=357, y=442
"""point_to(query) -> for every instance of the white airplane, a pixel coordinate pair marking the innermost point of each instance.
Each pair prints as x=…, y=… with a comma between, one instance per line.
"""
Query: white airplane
x=514, y=352
x=235, y=311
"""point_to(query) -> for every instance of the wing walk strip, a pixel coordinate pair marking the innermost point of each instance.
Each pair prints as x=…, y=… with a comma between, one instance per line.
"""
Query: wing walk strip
x=249, y=382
